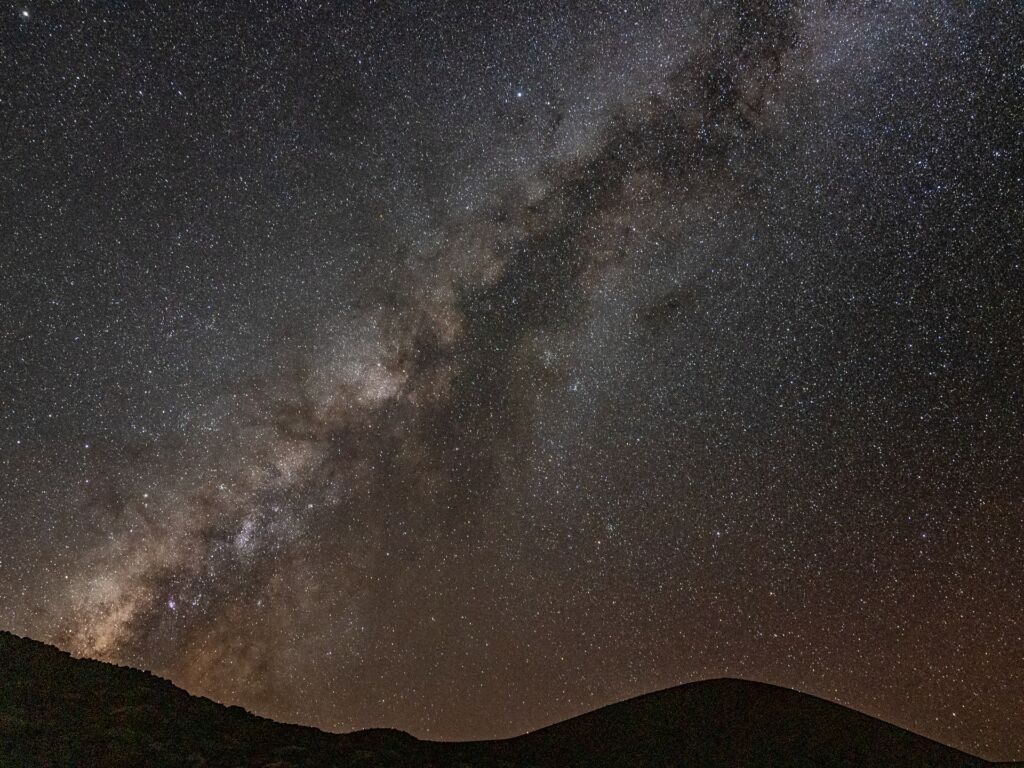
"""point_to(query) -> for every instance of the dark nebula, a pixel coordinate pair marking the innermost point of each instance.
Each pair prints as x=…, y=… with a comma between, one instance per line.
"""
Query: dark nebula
x=460, y=367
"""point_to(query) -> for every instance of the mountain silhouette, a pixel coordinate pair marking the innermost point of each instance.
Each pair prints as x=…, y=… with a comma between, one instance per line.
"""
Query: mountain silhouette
x=56, y=710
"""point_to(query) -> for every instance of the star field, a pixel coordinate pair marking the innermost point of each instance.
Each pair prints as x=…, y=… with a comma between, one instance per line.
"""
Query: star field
x=460, y=367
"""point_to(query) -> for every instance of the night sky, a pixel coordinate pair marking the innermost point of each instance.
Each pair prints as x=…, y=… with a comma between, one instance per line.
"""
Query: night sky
x=461, y=367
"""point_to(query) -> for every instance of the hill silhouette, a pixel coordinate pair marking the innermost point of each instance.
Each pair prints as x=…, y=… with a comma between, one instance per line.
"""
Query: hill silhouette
x=56, y=710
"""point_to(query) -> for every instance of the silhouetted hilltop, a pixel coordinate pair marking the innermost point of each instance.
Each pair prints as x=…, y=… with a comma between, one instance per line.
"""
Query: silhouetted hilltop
x=56, y=710
x=59, y=711
x=730, y=722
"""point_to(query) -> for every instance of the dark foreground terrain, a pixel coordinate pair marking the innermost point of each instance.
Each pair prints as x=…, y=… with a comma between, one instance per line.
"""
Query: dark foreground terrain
x=59, y=711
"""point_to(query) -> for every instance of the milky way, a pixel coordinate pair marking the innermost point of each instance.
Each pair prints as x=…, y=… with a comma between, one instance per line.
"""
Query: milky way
x=460, y=369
